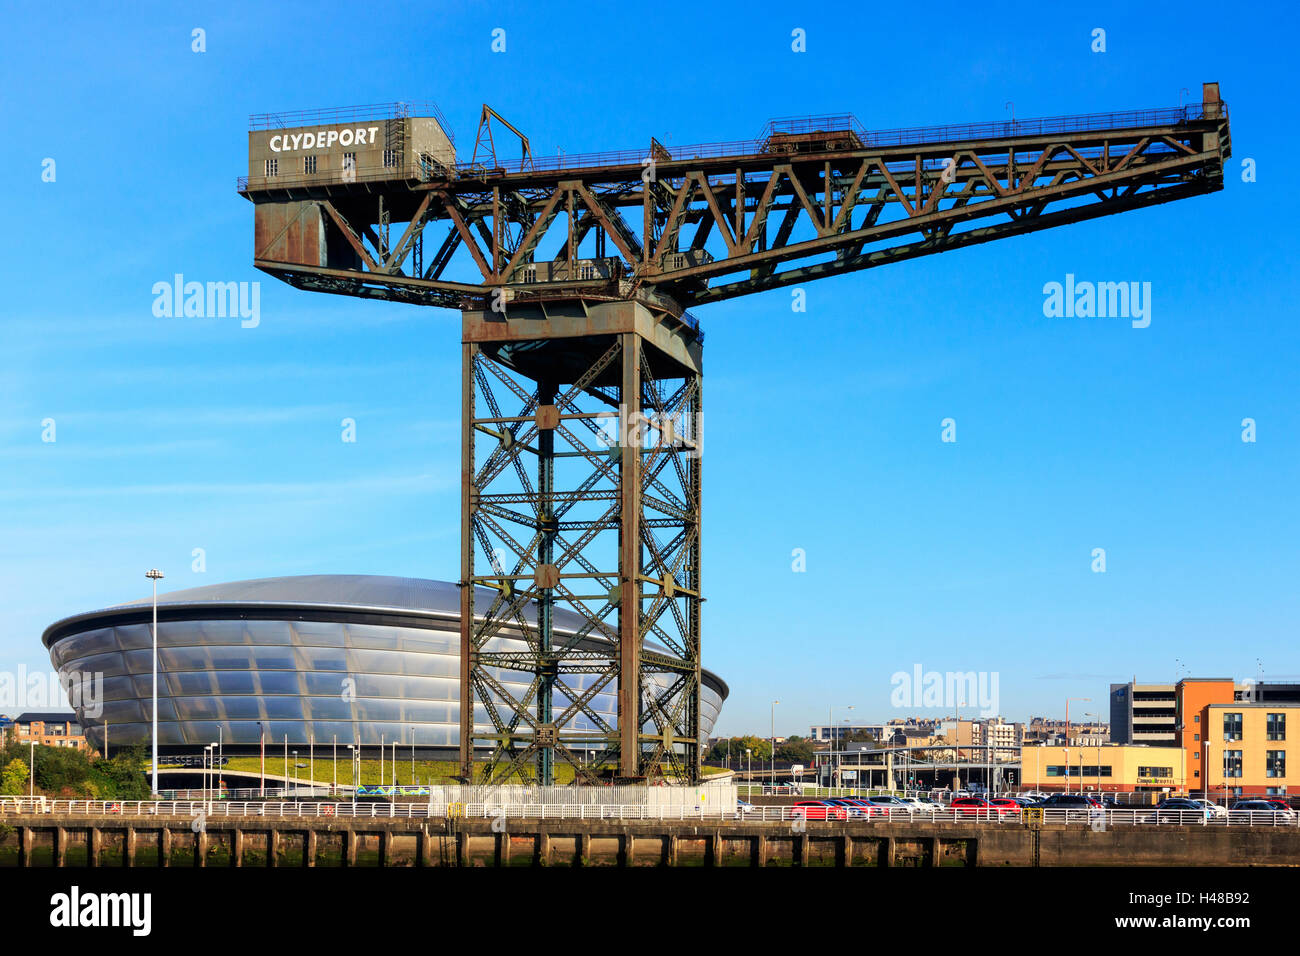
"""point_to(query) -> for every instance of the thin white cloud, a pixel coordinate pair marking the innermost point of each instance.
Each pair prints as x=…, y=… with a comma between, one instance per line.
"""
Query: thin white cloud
x=393, y=484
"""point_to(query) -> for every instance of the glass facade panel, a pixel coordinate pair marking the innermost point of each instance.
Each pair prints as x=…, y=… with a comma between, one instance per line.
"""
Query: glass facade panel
x=226, y=676
x=235, y=682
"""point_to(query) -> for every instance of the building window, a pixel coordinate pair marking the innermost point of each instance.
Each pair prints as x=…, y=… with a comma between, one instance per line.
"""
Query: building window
x=1275, y=763
x=1196, y=736
x=1196, y=719
x=390, y=158
x=1277, y=726
x=1196, y=773
x=309, y=164
x=349, y=166
x=1155, y=771
x=1232, y=726
x=1232, y=763
x=273, y=167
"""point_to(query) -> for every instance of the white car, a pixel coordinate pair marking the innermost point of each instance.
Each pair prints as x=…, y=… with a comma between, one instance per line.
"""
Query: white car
x=1214, y=811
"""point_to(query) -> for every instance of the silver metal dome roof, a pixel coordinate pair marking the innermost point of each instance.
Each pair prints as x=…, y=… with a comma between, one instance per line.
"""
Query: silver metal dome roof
x=330, y=590
x=375, y=593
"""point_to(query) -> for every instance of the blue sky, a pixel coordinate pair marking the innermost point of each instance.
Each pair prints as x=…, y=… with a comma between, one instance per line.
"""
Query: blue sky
x=823, y=427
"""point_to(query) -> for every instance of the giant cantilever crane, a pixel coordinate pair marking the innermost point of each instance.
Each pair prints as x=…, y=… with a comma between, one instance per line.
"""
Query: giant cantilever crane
x=580, y=497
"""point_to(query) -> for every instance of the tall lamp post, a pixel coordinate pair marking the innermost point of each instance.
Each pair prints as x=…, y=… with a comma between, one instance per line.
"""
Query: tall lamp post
x=261, y=786
x=1067, y=742
x=154, y=575
x=1097, y=718
x=774, y=703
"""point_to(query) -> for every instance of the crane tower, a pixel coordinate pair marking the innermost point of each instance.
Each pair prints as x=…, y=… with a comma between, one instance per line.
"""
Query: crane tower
x=582, y=365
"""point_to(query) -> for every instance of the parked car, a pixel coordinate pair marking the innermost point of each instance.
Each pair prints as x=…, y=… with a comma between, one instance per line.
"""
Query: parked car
x=818, y=810
x=856, y=809
x=888, y=800
x=1180, y=809
x=1069, y=801
x=1259, y=811
x=1006, y=803
x=981, y=806
x=885, y=804
x=1216, y=812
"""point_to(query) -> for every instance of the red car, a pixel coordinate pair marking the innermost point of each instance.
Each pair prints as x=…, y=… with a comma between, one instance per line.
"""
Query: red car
x=816, y=810
x=1004, y=804
x=984, y=807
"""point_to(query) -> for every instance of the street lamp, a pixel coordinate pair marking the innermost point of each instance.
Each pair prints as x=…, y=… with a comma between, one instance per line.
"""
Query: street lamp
x=1096, y=717
x=209, y=751
x=1205, y=767
x=749, y=754
x=774, y=703
x=1067, y=742
x=154, y=575
x=352, y=759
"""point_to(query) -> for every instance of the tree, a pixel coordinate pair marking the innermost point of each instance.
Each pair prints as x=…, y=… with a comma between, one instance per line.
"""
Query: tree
x=121, y=778
x=59, y=768
x=14, y=779
x=762, y=750
x=795, y=750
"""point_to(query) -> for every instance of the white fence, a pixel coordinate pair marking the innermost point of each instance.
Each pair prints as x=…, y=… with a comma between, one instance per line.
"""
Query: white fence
x=704, y=811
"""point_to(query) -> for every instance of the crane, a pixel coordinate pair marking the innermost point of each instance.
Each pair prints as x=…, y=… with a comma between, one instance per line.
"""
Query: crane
x=582, y=364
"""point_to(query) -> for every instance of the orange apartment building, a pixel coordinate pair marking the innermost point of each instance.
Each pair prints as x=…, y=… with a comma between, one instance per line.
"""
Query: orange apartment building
x=1235, y=746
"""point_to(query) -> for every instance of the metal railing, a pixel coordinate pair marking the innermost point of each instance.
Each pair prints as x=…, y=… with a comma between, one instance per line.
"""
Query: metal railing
x=368, y=112
x=1043, y=126
x=910, y=136
x=223, y=809
x=409, y=171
